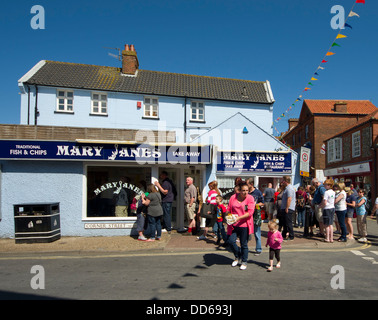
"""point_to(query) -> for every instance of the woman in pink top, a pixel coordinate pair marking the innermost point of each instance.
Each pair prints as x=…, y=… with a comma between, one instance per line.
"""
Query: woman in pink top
x=274, y=241
x=242, y=205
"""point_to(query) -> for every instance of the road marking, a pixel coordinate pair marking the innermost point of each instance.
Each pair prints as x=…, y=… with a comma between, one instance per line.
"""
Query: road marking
x=375, y=252
x=167, y=253
x=358, y=253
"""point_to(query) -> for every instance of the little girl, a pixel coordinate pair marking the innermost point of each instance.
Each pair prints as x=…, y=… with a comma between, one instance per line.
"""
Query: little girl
x=274, y=241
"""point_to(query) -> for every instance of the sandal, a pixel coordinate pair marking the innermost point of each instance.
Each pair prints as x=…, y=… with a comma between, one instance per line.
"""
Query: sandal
x=270, y=269
x=278, y=265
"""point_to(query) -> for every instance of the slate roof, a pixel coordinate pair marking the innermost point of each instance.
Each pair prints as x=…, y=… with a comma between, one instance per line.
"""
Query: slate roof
x=92, y=77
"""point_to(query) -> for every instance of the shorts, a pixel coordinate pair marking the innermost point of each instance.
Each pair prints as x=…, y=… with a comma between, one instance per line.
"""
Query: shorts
x=190, y=211
x=269, y=206
x=350, y=214
x=328, y=216
x=318, y=213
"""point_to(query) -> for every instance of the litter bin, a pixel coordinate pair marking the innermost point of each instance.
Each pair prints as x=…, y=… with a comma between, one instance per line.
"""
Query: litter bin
x=36, y=222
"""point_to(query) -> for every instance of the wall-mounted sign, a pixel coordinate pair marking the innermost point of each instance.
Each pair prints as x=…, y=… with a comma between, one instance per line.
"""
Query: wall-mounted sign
x=253, y=162
x=141, y=153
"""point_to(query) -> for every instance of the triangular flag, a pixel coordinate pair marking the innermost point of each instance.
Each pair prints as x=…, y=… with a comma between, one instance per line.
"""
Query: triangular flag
x=324, y=61
x=353, y=14
x=347, y=25
x=310, y=84
x=360, y=1
x=321, y=68
x=314, y=79
x=330, y=54
x=335, y=45
x=307, y=89
x=340, y=36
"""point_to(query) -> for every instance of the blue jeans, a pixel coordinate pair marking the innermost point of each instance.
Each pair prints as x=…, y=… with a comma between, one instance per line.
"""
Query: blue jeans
x=154, y=226
x=257, y=231
x=242, y=251
x=167, y=206
x=221, y=231
x=301, y=216
x=341, y=218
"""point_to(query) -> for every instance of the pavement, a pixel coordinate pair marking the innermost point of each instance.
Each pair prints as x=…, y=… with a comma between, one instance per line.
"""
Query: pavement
x=172, y=244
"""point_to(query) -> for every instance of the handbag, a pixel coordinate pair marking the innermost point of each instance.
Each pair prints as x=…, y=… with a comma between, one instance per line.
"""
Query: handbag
x=207, y=207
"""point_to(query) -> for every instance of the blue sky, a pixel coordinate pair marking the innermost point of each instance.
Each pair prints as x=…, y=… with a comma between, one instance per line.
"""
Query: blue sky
x=280, y=41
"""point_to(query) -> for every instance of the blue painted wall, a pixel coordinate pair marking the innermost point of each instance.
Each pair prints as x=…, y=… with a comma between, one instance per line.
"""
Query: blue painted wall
x=124, y=114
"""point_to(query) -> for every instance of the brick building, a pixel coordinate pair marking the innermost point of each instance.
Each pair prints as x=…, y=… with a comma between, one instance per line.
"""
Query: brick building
x=318, y=121
x=352, y=155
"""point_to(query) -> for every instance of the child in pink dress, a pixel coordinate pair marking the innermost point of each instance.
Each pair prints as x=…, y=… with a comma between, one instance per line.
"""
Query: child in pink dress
x=274, y=241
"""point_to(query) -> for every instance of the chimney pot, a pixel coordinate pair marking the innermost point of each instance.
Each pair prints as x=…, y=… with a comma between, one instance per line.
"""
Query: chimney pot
x=130, y=63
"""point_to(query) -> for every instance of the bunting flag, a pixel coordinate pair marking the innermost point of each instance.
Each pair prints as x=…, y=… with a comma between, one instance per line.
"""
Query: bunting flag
x=320, y=67
x=353, y=14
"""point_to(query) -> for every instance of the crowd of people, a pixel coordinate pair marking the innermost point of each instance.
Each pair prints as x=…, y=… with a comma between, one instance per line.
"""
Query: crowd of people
x=319, y=205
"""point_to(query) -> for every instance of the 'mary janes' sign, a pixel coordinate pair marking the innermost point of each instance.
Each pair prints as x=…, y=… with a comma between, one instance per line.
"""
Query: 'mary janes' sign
x=245, y=162
x=141, y=153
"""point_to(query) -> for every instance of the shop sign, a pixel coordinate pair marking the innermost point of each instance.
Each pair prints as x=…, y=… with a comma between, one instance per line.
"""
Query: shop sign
x=353, y=169
x=108, y=225
x=253, y=162
x=141, y=153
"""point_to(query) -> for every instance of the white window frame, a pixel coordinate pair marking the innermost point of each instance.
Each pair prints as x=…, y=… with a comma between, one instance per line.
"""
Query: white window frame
x=151, y=107
x=67, y=105
x=101, y=109
x=195, y=111
x=356, y=144
x=335, y=150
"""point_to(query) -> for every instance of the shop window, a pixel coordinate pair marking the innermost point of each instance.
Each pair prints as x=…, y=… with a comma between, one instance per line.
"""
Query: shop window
x=112, y=190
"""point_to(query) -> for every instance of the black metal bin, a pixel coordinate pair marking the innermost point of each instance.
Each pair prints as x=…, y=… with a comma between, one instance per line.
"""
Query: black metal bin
x=37, y=222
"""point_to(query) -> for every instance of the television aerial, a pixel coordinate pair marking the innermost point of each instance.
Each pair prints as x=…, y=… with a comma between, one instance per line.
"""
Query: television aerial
x=119, y=56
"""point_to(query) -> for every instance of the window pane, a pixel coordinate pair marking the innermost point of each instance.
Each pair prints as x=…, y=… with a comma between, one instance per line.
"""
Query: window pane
x=61, y=101
x=61, y=93
x=147, y=100
x=154, y=101
x=69, y=94
x=95, y=97
x=95, y=103
x=103, y=97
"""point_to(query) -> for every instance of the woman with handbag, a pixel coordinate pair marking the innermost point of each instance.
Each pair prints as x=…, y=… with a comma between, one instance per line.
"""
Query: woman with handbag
x=154, y=211
x=242, y=206
x=208, y=209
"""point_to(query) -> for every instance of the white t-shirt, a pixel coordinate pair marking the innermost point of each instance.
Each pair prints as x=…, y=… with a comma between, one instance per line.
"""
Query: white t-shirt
x=341, y=205
x=329, y=196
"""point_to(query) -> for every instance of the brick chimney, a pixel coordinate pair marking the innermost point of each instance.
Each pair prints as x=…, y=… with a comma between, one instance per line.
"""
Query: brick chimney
x=130, y=63
x=293, y=123
x=341, y=106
